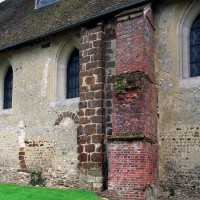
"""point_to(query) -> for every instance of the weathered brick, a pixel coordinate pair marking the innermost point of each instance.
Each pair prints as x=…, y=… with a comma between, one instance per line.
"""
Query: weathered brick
x=100, y=111
x=90, y=80
x=21, y=149
x=97, y=138
x=80, y=148
x=83, y=89
x=95, y=87
x=82, y=105
x=99, y=148
x=99, y=95
x=97, y=43
x=81, y=113
x=90, y=129
x=88, y=139
x=97, y=56
x=82, y=96
x=84, y=46
x=90, y=95
x=82, y=157
x=84, y=73
x=89, y=112
x=91, y=65
x=85, y=59
x=89, y=166
x=89, y=148
x=96, y=157
x=97, y=119
x=95, y=173
x=81, y=139
x=80, y=130
x=85, y=120
x=95, y=103
x=93, y=36
x=21, y=157
x=99, y=70
x=100, y=78
x=93, y=51
x=100, y=129
x=101, y=36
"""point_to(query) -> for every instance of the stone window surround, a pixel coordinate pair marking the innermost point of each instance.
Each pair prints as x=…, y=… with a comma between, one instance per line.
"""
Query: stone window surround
x=183, y=33
x=4, y=65
x=62, y=58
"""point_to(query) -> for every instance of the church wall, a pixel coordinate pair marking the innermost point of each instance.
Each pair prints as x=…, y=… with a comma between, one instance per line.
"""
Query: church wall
x=38, y=133
x=178, y=107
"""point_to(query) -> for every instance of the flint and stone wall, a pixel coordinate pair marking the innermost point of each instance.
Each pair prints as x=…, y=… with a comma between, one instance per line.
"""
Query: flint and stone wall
x=67, y=140
x=178, y=106
x=38, y=133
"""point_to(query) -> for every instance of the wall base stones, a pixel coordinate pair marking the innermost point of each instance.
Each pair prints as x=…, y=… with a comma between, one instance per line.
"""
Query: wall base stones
x=12, y=176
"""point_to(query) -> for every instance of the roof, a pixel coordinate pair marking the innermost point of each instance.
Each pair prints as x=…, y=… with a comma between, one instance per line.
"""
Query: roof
x=20, y=22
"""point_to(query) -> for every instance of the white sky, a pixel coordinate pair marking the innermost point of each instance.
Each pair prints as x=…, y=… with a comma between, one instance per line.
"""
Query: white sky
x=1, y=1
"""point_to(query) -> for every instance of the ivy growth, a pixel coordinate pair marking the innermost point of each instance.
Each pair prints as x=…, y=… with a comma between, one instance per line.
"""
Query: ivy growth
x=36, y=179
x=121, y=85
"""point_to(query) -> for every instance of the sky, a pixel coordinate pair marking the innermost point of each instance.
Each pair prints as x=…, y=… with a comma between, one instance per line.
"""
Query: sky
x=1, y=1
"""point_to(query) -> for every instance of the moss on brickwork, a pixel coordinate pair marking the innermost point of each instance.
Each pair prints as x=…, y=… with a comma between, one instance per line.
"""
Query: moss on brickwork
x=128, y=81
x=126, y=137
x=130, y=138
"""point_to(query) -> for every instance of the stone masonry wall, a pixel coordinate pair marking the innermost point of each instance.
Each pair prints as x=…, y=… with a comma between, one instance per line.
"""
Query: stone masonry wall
x=178, y=107
x=91, y=129
x=110, y=71
x=38, y=133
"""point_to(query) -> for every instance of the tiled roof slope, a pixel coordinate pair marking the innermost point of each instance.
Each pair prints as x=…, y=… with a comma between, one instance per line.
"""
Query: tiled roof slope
x=20, y=22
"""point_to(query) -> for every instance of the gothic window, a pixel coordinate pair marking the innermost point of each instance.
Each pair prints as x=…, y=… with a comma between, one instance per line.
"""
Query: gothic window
x=195, y=48
x=8, y=87
x=188, y=32
x=73, y=75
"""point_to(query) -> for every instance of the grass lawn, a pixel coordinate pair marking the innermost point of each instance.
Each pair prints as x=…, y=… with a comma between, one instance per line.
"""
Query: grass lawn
x=16, y=192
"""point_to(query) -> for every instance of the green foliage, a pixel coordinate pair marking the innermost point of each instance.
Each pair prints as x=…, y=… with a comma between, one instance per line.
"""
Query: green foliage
x=121, y=85
x=36, y=179
x=127, y=137
x=16, y=192
x=171, y=191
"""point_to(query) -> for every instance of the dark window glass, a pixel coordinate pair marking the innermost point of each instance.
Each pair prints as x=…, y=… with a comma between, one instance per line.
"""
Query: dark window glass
x=195, y=48
x=8, y=86
x=73, y=75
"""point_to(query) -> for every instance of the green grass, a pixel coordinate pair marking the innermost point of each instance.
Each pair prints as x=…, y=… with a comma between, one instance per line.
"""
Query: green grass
x=16, y=192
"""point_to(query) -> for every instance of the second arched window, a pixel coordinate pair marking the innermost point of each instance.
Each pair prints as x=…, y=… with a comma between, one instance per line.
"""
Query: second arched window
x=8, y=87
x=73, y=69
x=195, y=48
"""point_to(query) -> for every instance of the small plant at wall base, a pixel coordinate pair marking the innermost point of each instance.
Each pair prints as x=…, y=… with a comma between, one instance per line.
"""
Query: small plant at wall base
x=171, y=191
x=36, y=179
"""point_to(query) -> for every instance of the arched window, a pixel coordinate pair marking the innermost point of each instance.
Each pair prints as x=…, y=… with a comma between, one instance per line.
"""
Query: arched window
x=8, y=87
x=188, y=32
x=73, y=75
x=195, y=48
x=67, y=72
